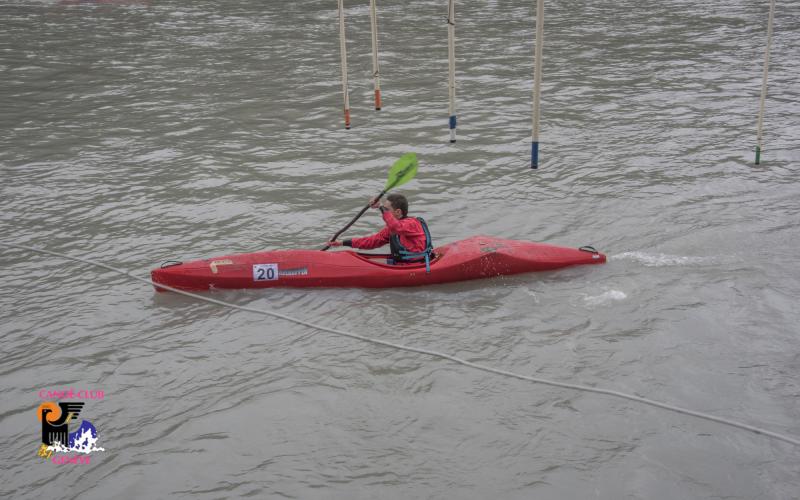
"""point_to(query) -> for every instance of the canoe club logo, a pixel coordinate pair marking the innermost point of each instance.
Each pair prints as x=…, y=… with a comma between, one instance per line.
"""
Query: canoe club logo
x=62, y=440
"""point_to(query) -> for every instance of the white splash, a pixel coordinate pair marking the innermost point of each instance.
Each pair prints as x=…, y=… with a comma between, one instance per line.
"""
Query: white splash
x=532, y=294
x=660, y=259
x=605, y=297
x=85, y=443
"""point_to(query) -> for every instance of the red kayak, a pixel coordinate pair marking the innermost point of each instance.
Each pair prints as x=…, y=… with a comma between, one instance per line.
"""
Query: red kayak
x=473, y=258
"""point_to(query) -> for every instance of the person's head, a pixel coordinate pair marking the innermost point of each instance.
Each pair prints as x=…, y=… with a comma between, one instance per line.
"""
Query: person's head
x=397, y=202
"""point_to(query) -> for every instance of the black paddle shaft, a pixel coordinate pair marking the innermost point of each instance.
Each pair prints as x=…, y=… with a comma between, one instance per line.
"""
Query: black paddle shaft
x=345, y=228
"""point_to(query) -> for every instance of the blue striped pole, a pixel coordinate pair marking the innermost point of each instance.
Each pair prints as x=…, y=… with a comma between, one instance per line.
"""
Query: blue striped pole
x=451, y=50
x=537, y=84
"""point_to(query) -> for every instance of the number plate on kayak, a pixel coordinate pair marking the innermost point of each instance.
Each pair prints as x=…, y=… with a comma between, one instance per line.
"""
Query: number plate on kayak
x=265, y=272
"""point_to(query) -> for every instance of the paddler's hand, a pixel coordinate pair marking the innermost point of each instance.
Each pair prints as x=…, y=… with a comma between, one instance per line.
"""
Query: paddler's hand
x=375, y=202
x=334, y=243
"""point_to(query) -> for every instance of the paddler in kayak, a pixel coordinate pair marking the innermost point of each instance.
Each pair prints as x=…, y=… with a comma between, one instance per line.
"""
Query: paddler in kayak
x=408, y=237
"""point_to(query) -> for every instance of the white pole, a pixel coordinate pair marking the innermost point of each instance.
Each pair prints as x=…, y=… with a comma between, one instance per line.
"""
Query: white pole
x=376, y=71
x=451, y=49
x=760, y=126
x=537, y=83
x=343, y=50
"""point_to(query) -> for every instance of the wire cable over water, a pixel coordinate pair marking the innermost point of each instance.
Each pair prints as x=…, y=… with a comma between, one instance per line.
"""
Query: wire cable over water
x=427, y=352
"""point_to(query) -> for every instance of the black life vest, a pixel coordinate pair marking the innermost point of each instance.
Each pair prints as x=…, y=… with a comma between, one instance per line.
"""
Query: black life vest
x=402, y=254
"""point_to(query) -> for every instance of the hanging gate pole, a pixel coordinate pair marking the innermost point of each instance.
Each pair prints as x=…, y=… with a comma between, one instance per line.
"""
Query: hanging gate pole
x=760, y=126
x=537, y=83
x=451, y=52
x=376, y=72
x=343, y=50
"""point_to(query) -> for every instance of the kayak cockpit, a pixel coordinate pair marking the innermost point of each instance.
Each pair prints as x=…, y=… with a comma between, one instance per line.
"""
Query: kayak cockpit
x=381, y=260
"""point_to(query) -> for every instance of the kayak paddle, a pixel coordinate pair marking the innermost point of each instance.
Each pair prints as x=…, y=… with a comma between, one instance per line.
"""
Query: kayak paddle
x=401, y=172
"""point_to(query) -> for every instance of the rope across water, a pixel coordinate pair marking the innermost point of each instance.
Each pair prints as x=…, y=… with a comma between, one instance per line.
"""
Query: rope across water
x=427, y=352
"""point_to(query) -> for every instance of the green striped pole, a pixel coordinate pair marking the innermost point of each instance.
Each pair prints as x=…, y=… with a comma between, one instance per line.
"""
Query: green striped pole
x=760, y=126
x=451, y=66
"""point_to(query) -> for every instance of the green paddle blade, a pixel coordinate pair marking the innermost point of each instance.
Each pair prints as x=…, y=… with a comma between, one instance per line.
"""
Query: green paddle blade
x=402, y=171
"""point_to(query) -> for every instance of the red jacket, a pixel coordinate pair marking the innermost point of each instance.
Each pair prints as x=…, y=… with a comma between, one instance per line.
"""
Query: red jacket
x=408, y=228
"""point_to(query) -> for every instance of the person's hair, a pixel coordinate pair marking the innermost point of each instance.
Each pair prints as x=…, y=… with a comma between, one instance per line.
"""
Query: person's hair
x=399, y=201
